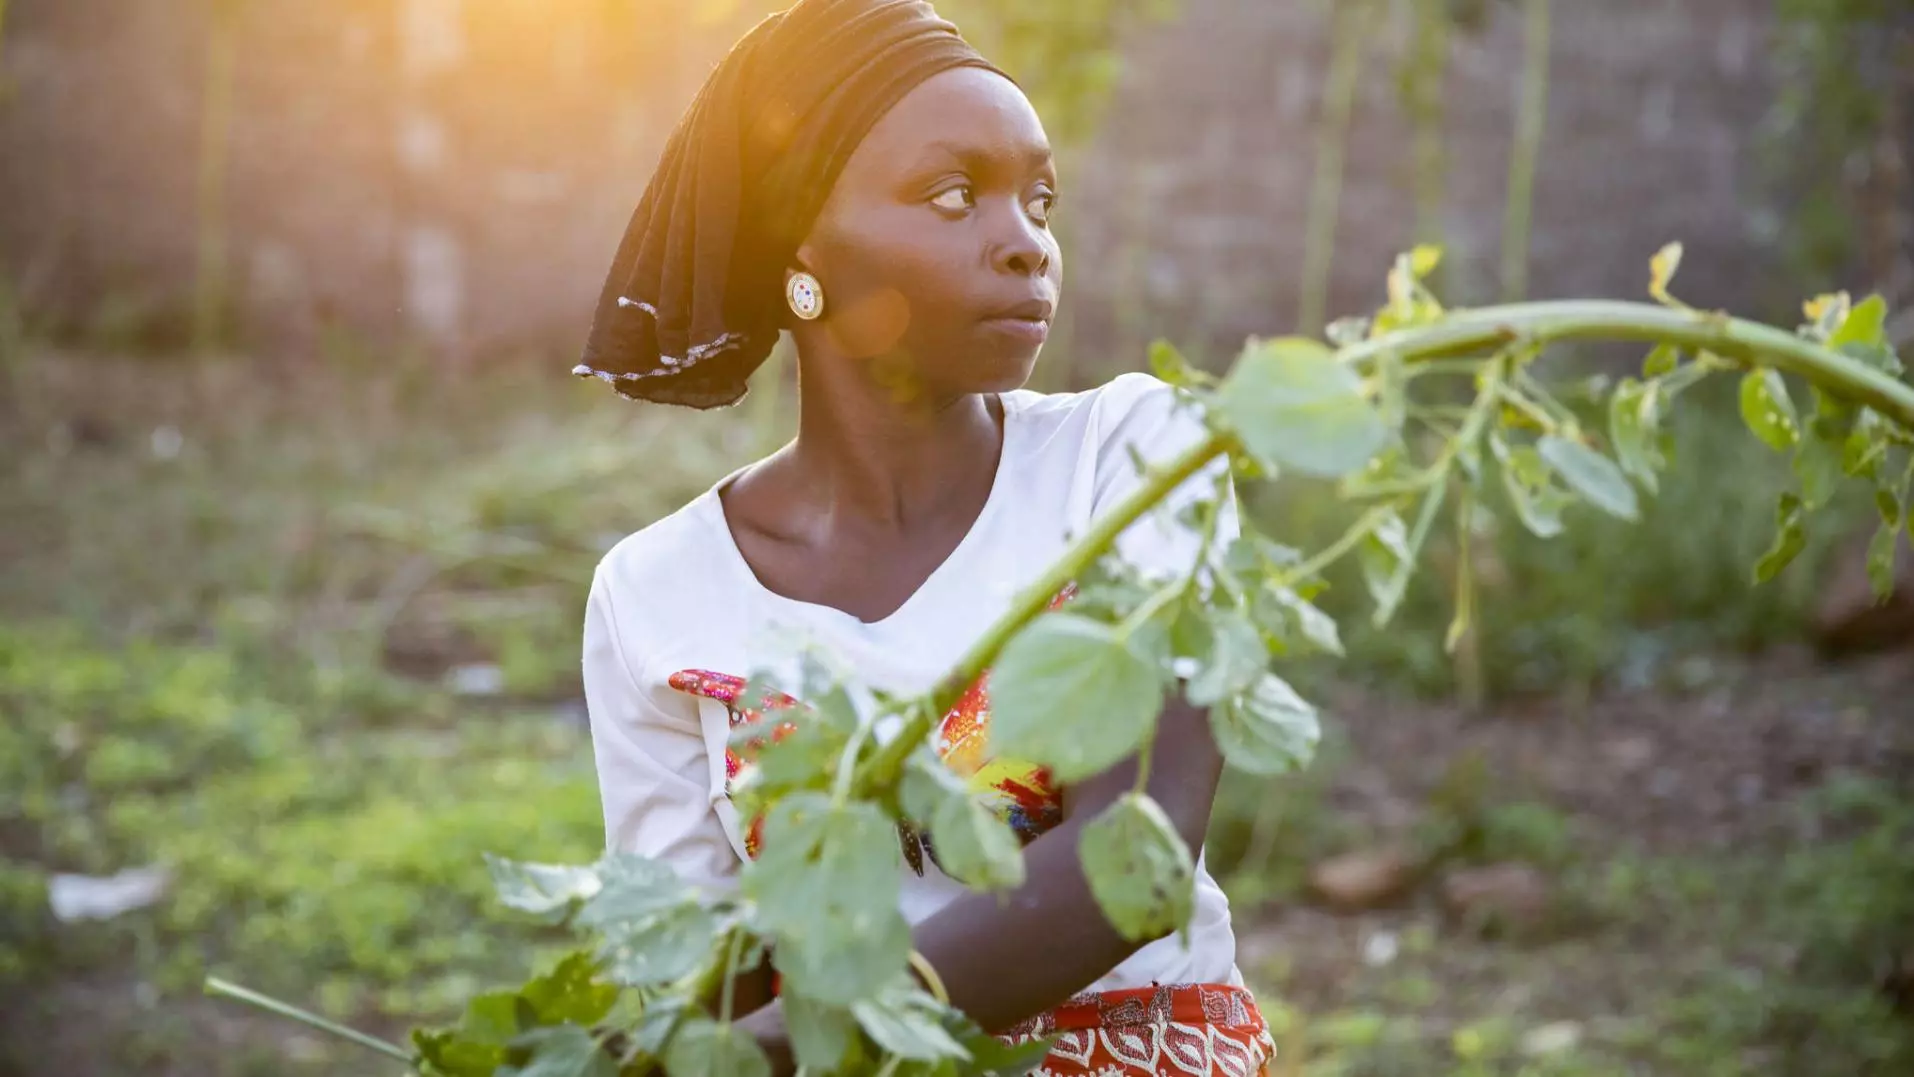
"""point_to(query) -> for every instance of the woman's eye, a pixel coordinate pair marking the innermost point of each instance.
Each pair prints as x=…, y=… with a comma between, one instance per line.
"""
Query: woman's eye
x=956, y=200
x=1041, y=207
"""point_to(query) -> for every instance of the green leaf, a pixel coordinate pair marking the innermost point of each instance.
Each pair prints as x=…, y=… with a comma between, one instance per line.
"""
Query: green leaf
x=1383, y=554
x=1236, y=656
x=975, y=846
x=1267, y=730
x=1592, y=475
x=905, y=1021
x=1633, y=419
x=1863, y=452
x=571, y=991
x=1768, y=410
x=1661, y=271
x=803, y=758
x=540, y=888
x=1530, y=484
x=631, y=888
x=1168, y=364
x=1866, y=323
x=1344, y=332
x=491, y=1018
x=1290, y=401
x=1790, y=539
x=660, y=947
x=1392, y=394
x=1286, y=615
x=705, y=1048
x=821, y=1035
x=1388, y=556
x=1881, y=553
x=446, y=1053
x=1888, y=504
x=1191, y=637
x=1817, y=465
x=663, y=1015
x=1661, y=361
x=826, y=887
x=1139, y=869
x=1254, y=552
x=1825, y=315
x=992, y=1057
x=563, y=1051
x=925, y=785
x=1069, y=693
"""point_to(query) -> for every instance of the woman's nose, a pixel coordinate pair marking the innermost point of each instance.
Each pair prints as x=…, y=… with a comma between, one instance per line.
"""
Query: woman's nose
x=1021, y=247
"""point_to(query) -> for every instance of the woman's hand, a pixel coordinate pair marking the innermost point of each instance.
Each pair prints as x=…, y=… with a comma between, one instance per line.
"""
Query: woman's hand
x=1007, y=957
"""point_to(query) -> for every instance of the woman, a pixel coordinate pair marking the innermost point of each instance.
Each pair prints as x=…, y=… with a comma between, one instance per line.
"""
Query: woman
x=855, y=174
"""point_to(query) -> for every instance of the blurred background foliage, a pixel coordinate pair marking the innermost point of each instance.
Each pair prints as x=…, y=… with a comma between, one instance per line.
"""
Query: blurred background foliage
x=290, y=615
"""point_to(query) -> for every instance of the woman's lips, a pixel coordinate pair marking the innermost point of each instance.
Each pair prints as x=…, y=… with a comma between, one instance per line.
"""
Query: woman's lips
x=1027, y=321
x=1028, y=330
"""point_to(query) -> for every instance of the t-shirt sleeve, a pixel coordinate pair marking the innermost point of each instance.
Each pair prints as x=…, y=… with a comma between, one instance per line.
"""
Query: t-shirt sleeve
x=1150, y=415
x=653, y=766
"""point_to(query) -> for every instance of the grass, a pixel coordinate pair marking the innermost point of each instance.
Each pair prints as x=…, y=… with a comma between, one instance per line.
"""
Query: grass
x=237, y=604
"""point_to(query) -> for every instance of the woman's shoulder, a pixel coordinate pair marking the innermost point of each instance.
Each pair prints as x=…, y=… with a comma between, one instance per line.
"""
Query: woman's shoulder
x=1093, y=416
x=662, y=556
x=1132, y=408
x=1113, y=398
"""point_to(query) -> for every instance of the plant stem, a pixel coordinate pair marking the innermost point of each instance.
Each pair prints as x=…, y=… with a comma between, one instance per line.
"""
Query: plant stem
x=888, y=761
x=1514, y=398
x=222, y=988
x=730, y=975
x=1351, y=33
x=1525, y=325
x=1531, y=118
x=1464, y=642
x=847, y=765
x=1337, y=550
x=1749, y=343
x=1495, y=371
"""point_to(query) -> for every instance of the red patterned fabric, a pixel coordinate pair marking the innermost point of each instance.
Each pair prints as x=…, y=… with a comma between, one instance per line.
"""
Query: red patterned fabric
x=1022, y=793
x=1203, y=1030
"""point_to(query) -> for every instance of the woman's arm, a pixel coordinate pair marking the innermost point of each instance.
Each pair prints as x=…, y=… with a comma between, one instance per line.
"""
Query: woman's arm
x=1008, y=957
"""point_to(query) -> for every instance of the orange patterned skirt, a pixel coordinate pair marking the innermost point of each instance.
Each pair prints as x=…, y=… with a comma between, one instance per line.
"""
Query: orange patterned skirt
x=1204, y=1030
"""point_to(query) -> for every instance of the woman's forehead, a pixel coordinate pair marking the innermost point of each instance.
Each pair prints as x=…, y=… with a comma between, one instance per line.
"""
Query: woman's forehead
x=958, y=117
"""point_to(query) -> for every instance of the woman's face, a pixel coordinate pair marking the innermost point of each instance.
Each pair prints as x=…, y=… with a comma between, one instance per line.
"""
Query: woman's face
x=934, y=247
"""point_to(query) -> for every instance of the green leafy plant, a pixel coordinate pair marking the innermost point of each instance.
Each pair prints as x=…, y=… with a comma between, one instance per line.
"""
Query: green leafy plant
x=1374, y=411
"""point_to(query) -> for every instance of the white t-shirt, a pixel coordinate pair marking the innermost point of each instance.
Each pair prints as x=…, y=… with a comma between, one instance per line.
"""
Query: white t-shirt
x=677, y=603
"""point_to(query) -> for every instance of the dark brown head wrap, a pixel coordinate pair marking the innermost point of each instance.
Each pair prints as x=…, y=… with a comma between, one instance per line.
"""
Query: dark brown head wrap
x=693, y=300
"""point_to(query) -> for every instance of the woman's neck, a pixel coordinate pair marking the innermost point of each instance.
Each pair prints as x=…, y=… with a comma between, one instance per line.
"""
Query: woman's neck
x=889, y=459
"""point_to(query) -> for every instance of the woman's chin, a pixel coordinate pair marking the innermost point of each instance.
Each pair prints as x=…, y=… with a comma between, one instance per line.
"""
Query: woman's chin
x=1004, y=373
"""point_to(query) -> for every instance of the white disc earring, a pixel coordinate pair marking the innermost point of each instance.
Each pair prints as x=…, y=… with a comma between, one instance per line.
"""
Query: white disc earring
x=805, y=295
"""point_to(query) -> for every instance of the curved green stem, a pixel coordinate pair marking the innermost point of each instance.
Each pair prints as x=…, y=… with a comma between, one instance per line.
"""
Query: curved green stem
x=1744, y=341
x=224, y=988
x=1350, y=539
x=1526, y=325
x=888, y=762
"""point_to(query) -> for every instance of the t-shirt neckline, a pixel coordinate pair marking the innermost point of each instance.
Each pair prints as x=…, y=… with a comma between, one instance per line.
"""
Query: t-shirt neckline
x=729, y=550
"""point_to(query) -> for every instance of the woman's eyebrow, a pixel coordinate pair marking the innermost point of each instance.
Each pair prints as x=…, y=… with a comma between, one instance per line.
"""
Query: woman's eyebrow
x=1031, y=156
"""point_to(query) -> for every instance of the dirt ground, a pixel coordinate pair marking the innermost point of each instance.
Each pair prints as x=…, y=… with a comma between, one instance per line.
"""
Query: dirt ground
x=1704, y=765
